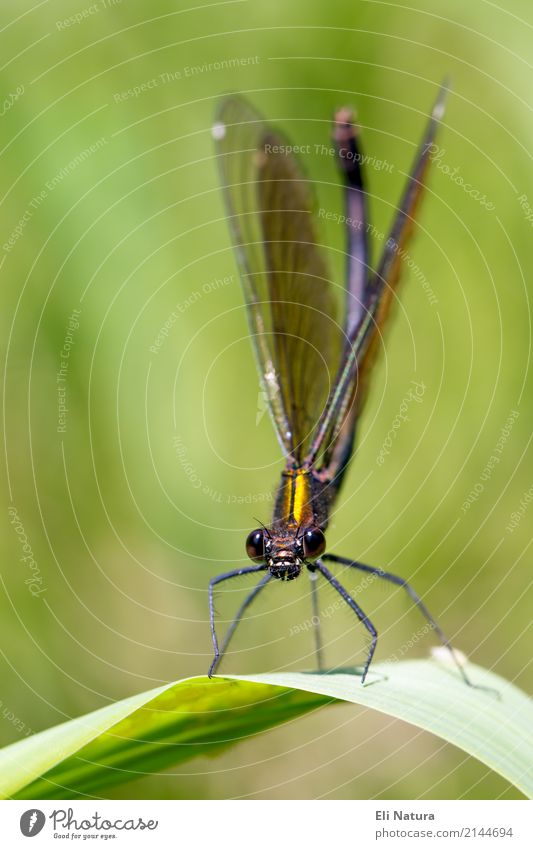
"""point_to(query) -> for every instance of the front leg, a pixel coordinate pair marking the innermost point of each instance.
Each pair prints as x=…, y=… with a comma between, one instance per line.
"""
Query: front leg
x=401, y=582
x=356, y=609
x=247, y=570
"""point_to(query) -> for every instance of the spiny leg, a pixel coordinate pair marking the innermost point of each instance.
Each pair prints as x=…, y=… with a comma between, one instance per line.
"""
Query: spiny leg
x=316, y=619
x=357, y=610
x=401, y=582
x=212, y=583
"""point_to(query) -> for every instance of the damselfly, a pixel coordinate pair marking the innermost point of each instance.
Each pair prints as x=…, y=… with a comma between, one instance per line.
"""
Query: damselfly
x=298, y=343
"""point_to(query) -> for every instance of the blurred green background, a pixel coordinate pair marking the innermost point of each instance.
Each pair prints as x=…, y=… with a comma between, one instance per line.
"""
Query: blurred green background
x=163, y=460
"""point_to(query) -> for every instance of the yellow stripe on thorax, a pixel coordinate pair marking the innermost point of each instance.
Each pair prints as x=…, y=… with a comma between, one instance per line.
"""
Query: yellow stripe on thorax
x=302, y=490
x=287, y=497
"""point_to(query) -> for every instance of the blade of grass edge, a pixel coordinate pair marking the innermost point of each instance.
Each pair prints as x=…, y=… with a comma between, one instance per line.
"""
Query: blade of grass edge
x=171, y=724
x=195, y=716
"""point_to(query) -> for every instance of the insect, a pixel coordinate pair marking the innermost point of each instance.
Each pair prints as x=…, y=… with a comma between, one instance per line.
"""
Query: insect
x=314, y=372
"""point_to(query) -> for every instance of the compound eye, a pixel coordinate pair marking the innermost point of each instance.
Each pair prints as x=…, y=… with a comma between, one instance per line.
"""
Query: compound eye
x=255, y=545
x=314, y=543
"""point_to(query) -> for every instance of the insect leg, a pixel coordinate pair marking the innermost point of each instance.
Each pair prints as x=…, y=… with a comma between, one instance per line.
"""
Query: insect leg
x=316, y=619
x=401, y=582
x=212, y=583
x=238, y=616
x=356, y=609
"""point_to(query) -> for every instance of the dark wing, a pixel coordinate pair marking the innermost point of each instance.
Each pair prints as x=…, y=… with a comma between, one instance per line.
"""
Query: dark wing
x=335, y=432
x=289, y=296
x=350, y=161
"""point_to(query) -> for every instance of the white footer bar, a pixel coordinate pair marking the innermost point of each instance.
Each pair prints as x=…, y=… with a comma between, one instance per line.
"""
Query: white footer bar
x=268, y=824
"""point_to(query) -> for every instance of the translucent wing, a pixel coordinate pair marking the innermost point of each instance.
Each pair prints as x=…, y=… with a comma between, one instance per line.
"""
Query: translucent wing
x=335, y=432
x=289, y=297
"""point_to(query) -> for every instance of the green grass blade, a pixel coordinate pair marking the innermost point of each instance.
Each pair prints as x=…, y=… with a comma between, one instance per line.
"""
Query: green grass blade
x=172, y=724
x=496, y=731
x=143, y=734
